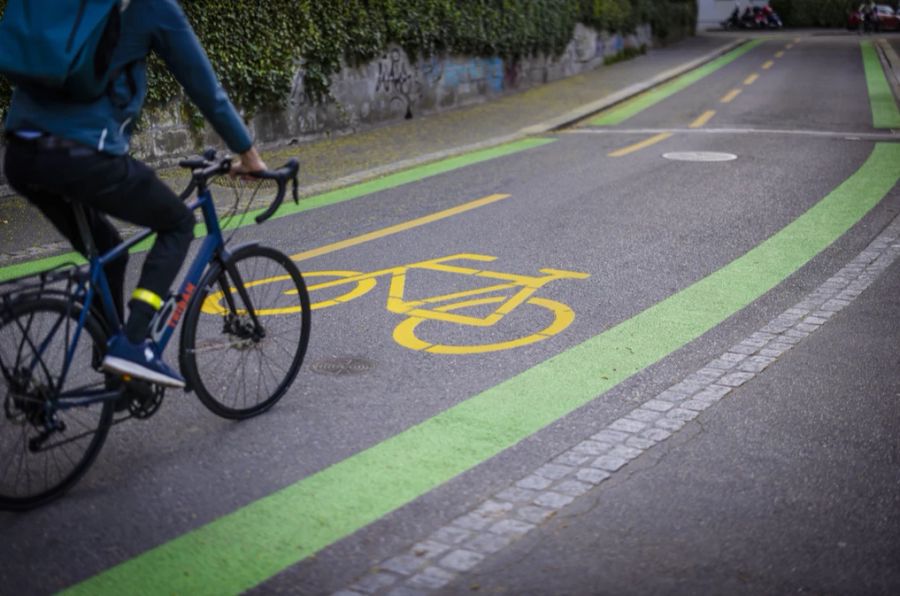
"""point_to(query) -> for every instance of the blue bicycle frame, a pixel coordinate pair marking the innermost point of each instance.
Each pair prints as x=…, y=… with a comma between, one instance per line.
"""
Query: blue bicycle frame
x=96, y=283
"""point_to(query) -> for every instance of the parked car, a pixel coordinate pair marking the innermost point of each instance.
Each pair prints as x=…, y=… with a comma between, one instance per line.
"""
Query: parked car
x=884, y=19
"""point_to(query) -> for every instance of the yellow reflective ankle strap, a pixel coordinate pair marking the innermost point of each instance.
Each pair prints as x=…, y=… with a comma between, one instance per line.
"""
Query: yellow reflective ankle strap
x=147, y=296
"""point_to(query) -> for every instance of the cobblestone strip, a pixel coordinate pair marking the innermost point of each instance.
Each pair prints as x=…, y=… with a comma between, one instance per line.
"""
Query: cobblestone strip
x=515, y=510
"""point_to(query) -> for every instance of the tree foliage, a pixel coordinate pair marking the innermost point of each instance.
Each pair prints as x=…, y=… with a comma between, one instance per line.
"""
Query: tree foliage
x=256, y=47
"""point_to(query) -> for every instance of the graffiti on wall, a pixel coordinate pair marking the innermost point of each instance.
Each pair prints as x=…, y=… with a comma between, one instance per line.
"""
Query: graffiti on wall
x=398, y=81
x=463, y=75
x=404, y=85
x=610, y=46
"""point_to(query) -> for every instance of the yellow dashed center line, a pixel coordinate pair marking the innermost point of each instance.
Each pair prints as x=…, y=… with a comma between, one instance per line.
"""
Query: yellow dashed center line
x=729, y=97
x=703, y=119
x=643, y=144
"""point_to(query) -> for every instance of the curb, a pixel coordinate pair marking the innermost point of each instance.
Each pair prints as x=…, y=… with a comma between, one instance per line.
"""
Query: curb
x=891, y=64
x=553, y=124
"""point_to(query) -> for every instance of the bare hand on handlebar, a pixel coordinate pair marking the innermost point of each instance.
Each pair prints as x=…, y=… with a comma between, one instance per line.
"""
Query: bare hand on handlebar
x=250, y=162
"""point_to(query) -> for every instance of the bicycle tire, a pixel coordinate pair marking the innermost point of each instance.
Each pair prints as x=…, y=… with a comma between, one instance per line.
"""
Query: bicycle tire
x=219, y=352
x=49, y=322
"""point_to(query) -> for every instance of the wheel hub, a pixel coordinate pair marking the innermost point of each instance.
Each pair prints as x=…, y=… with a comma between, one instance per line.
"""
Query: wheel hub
x=242, y=327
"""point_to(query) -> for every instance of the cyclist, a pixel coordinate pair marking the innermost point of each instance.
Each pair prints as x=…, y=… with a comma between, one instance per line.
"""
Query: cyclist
x=59, y=149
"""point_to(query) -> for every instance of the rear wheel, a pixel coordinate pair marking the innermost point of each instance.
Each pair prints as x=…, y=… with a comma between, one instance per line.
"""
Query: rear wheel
x=47, y=443
x=245, y=333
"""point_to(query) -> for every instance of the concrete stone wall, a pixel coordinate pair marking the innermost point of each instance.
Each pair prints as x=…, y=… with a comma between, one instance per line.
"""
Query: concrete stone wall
x=393, y=87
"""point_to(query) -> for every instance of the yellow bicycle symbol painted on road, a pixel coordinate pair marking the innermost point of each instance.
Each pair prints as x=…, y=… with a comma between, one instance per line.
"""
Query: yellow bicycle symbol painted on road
x=479, y=307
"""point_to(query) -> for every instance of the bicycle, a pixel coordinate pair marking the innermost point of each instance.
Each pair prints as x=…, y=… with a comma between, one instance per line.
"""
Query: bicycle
x=58, y=405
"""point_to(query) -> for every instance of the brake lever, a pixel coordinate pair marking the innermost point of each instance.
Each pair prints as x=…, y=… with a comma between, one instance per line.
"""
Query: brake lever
x=294, y=189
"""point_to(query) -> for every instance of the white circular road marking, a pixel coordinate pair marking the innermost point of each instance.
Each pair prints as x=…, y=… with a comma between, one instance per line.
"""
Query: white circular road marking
x=699, y=156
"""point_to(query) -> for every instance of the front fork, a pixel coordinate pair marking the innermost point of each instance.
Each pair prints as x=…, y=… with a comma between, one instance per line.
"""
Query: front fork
x=234, y=324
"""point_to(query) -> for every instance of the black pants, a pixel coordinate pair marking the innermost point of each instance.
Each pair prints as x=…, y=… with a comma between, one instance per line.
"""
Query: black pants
x=105, y=184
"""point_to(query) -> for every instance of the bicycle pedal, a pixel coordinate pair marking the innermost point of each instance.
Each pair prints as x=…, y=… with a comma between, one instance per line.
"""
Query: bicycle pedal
x=138, y=397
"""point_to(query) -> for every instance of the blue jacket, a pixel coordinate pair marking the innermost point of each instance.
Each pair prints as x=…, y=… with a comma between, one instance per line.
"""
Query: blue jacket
x=107, y=123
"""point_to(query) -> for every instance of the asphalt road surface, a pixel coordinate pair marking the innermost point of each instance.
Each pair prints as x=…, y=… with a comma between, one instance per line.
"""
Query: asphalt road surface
x=681, y=376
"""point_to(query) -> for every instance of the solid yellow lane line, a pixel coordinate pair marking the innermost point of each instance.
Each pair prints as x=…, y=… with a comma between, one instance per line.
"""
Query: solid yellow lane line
x=768, y=65
x=729, y=97
x=703, y=119
x=402, y=227
x=779, y=54
x=643, y=144
x=751, y=79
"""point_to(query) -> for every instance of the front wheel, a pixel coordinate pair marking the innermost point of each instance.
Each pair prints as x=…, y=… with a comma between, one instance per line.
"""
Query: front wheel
x=245, y=332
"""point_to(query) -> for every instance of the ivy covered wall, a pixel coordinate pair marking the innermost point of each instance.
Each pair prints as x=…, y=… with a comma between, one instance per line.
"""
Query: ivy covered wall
x=256, y=46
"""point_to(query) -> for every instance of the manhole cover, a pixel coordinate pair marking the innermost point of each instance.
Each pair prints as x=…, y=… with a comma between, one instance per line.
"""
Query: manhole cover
x=343, y=365
x=699, y=156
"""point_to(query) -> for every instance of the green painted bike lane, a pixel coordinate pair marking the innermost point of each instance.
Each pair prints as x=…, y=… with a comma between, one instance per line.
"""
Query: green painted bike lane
x=881, y=98
x=243, y=549
x=632, y=107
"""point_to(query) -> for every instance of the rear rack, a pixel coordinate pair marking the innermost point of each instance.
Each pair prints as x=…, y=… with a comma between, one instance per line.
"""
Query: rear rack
x=57, y=281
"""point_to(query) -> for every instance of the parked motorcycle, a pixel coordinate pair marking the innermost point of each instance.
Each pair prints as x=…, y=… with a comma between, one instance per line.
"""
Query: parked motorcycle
x=733, y=21
x=771, y=18
x=752, y=17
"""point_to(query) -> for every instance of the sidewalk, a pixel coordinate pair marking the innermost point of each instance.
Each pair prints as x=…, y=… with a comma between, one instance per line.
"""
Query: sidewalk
x=335, y=162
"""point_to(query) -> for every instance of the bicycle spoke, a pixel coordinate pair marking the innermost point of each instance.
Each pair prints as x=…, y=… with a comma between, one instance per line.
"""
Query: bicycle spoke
x=39, y=351
x=284, y=349
x=22, y=460
x=25, y=335
x=244, y=377
x=269, y=365
x=8, y=459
